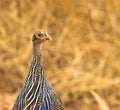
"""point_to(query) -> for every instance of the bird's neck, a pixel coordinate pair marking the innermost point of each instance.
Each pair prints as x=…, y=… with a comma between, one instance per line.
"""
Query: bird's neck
x=36, y=50
x=37, y=57
x=36, y=72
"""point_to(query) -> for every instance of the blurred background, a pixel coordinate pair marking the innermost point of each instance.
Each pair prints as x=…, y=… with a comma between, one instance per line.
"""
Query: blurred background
x=82, y=61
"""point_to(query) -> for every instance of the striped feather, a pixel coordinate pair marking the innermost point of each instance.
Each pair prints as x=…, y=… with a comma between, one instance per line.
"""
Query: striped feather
x=37, y=93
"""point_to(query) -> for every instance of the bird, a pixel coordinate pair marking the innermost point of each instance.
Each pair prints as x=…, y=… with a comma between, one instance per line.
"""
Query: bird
x=37, y=93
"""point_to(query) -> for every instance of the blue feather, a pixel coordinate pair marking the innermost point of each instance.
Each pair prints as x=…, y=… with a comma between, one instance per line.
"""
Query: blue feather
x=44, y=108
x=37, y=108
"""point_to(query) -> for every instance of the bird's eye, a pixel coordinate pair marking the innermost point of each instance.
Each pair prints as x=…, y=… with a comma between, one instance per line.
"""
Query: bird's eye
x=39, y=35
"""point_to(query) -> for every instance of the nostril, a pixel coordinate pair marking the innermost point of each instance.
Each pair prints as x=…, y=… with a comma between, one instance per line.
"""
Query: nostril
x=46, y=34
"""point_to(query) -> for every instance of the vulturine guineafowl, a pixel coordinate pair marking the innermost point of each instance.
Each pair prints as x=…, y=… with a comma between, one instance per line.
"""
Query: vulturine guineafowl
x=37, y=93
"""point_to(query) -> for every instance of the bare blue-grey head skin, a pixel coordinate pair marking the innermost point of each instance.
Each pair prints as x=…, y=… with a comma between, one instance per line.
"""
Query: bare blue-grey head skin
x=37, y=93
x=40, y=37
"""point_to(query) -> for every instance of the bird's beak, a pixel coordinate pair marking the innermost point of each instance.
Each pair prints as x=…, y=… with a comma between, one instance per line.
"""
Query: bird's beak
x=47, y=37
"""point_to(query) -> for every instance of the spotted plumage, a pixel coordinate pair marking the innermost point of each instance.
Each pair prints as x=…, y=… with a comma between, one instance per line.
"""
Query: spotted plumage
x=37, y=93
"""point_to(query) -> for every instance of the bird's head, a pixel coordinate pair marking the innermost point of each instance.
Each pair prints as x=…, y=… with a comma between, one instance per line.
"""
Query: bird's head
x=40, y=37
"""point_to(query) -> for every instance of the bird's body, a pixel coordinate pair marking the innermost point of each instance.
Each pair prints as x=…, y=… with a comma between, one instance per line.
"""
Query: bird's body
x=37, y=93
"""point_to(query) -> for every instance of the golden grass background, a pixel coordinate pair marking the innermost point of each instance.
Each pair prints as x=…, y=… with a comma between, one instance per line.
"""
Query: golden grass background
x=82, y=61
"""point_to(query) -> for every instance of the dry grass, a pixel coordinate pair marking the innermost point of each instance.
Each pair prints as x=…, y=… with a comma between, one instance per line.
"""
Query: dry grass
x=82, y=62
